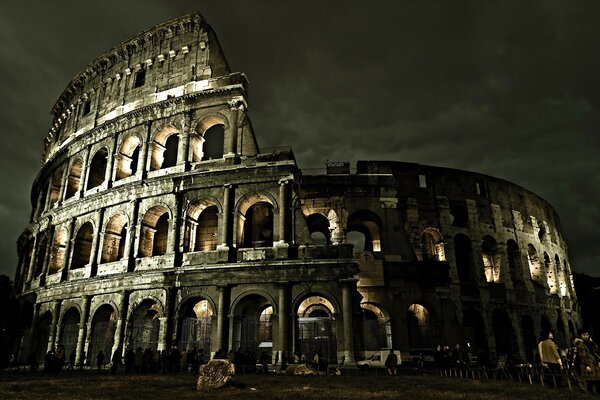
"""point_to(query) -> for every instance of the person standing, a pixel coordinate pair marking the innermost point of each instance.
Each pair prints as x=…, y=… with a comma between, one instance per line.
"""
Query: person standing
x=100, y=360
x=391, y=363
x=550, y=358
x=587, y=352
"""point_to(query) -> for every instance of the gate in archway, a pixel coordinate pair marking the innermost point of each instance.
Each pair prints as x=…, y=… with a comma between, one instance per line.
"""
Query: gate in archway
x=318, y=334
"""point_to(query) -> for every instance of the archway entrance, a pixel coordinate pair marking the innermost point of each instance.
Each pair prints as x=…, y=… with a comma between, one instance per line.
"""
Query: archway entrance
x=104, y=324
x=69, y=331
x=195, y=325
x=316, y=328
x=42, y=336
x=253, y=325
x=145, y=326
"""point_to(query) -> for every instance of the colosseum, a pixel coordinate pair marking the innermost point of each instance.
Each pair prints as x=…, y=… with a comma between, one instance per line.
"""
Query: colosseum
x=158, y=222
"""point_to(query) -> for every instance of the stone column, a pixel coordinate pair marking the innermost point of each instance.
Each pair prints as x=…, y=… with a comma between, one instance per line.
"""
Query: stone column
x=282, y=325
x=67, y=259
x=48, y=253
x=31, y=265
x=53, y=327
x=96, y=242
x=110, y=162
x=84, y=173
x=130, y=250
x=225, y=234
x=48, y=189
x=283, y=208
x=143, y=155
x=221, y=315
x=83, y=337
x=32, y=333
x=64, y=183
x=120, y=328
x=347, y=315
x=184, y=141
x=174, y=226
x=237, y=107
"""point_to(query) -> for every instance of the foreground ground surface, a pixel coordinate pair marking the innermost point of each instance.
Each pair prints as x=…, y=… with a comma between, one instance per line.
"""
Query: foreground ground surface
x=92, y=385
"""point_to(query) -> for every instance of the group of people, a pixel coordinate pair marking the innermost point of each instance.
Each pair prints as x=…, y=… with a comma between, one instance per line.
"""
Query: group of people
x=581, y=358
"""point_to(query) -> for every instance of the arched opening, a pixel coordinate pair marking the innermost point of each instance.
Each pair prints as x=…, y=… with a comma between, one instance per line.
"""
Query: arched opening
x=201, y=227
x=560, y=334
x=376, y=328
x=550, y=274
x=56, y=186
x=514, y=261
x=318, y=226
x=253, y=325
x=258, y=225
x=209, y=141
x=545, y=326
x=571, y=330
x=57, y=256
x=213, y=142
x=195, y=326
x=24, y=335
x=104, y=324
x=145, y=326
x=463, y=252
x=503, y=333
x=316, y=328
x=432, y=245
x=422, y=333
x=69, y=331
x=128, y=157
x=115, y=234
x=97, y=172
x=534, y=263
x=82, y=249
x=357, y=240
x=154, y=232
x=40, y=255
x=74, y=179
x=491, y=259
x=474, y=330
x=42, y=335
x=459, y=214
x=163, y=149
x=368, y=224
x=529, y=339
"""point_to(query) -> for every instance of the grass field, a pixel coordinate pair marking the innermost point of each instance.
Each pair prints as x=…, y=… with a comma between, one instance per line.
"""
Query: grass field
x=98, y=385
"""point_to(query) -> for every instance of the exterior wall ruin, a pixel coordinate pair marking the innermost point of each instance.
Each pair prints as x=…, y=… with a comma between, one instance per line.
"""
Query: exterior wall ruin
x=158, y=222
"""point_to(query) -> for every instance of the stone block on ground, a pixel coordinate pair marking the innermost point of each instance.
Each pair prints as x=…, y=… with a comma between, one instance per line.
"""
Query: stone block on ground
x=300, y=369
x=215, y=374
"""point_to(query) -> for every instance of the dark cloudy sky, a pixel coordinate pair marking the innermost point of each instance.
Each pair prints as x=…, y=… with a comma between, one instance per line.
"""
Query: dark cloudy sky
x=510, y=89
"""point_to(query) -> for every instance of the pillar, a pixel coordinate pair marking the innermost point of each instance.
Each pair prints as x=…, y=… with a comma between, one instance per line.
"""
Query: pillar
x=184, y=141
x=132, y=231
x=67, y=259
x=221, y=315
x=53, y=327
x=64, y=183
x=347, y=314
x=83, y=336
x=282, y=325
x=225, y=233
x=237, y=108
x=120, y=328
x=84, y=173
x=96, y=241
x=283, y=208
x=108, y=176
x=143, y=156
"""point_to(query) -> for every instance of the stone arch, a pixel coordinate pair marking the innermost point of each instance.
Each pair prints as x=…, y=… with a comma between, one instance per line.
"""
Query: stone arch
x=115, y=234
x=491, y=259
x=69, y=330
x=127, y=158
x=97, y=168
x=144, y=324
x=103, y=326
x=318, y=226
x=251, y=326
x=432, y=245
x=59, y=245
x=201, y=225
x=42, y=335
x=194, y=324
x=376, y=328
x=369, y=225
x=74, y=178
x=503, y=333
x=463, y=255
x=533, y=260
x=529, y=339
x=514, y=260
x=422, y=327
x=82, y=247
x=164, y=147
x=208, y=142
x=154, y=231
x=316, y=325
x=255, y=220
x=56, y=185
x=474, y=329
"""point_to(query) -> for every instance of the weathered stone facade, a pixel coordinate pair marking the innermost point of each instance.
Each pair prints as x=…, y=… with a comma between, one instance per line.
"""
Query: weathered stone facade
x=158, y=222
